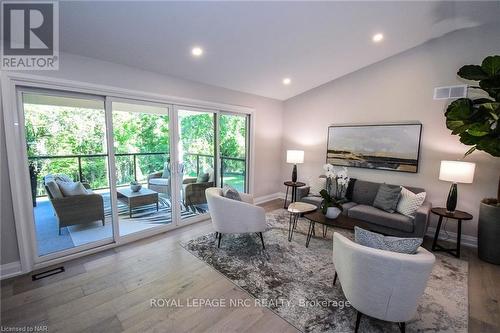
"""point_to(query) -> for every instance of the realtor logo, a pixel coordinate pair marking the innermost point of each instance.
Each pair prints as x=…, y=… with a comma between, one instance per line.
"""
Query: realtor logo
x=30, y=35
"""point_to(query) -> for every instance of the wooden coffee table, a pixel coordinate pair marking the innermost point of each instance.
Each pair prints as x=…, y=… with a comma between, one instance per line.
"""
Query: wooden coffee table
x=341, y=221
x=143, y=197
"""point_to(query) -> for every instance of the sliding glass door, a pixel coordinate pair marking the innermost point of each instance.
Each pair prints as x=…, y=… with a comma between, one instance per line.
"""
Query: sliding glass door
x=196, y=156
x=101, y=168
x=141, y=142
x=68, y=170
x=233, y=143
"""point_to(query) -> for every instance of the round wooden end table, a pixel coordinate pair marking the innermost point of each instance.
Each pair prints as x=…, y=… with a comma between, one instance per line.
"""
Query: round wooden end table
x=456, y=215
x=294, y=186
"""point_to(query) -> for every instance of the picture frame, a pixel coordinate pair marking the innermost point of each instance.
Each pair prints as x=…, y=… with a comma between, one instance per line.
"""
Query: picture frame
x=393, y=147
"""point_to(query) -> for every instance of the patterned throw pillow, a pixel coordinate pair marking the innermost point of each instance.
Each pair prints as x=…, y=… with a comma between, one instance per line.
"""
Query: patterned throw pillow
x=386, y=243
x=231, y=193
x=409, y=202
x=316, y=185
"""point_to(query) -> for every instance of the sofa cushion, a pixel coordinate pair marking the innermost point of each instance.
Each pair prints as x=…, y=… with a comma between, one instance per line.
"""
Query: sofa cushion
x=364, y=192
x=409, y=202
x=69, y=189
x=386, y=243
x=312, y=199
x=159, y=181
x=346, y=206
x=54, y=190
x=387, y=197
x=379, y=217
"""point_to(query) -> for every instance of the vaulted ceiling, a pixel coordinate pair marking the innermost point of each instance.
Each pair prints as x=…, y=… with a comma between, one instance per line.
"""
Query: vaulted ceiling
x=252, y=46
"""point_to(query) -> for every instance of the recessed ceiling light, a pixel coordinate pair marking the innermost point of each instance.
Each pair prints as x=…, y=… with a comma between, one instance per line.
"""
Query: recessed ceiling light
x=197, y=51
x=287, y=81
x=377, y=38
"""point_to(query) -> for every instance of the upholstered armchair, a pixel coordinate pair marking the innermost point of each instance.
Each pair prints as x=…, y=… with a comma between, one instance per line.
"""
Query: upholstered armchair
x=193, y=189
x=75, y=209
x=160, y=181
x=381, y=284
x=235, y=217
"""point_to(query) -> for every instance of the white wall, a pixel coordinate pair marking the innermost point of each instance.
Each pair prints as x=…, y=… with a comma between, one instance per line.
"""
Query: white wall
x=399, y=89
x=267, y=120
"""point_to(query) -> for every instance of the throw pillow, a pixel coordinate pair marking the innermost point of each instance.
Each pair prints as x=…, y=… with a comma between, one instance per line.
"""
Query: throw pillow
x=231, y=193
x=386, y=243
x=202, y=177
x=409, y=202
x=350, y=189
x=316, y=185
x=54, y=190
x=166, y=171
x=69, y=189
x=387, y=197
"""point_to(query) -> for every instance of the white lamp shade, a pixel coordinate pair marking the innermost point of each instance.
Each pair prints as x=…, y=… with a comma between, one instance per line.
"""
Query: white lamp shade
x=457, y=172
x=295, y=156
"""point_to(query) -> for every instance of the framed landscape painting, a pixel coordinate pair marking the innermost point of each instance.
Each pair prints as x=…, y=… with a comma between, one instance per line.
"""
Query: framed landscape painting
x=387, y=147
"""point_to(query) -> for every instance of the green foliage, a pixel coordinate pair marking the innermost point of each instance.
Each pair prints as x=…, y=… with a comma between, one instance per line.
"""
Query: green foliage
x=329, y=201
x=476, y=121
x=60, y=130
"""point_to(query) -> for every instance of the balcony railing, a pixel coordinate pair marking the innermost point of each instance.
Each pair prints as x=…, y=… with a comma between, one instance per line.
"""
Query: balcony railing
x=192, y=165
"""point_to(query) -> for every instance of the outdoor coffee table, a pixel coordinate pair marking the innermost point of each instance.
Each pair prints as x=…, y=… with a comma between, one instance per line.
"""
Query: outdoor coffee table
x=296, y=209
x=341, y=221
x=143, y=197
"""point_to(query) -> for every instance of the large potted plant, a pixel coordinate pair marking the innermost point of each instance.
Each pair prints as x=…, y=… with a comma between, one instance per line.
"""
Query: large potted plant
x=476, y=122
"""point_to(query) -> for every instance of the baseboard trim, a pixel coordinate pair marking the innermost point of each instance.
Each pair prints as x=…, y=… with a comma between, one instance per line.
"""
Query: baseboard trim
x=10, y=270
x=269, y=197
x=452, y=236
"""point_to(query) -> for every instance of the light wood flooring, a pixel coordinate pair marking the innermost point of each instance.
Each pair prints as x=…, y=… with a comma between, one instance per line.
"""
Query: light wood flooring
x=111, y=292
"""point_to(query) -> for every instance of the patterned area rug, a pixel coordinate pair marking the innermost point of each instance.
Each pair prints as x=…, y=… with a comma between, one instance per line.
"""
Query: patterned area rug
x=296, y=281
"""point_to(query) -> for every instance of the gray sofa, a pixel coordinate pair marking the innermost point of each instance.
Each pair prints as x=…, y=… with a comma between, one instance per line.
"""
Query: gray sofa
x=360, y=208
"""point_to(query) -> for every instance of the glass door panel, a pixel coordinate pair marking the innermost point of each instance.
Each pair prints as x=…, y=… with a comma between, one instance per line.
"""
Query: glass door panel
x=142, y=162
x=196, y=151
x=68, y=169
x=233, y=131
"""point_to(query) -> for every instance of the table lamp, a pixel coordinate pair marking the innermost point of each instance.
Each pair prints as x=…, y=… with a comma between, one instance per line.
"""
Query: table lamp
x=455, y=172
x=294, y=157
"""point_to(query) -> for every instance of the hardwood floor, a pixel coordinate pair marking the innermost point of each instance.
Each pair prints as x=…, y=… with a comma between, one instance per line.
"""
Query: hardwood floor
x=111, y=292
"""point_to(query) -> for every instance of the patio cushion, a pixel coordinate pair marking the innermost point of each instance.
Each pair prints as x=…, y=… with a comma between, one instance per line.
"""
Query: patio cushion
x=380, y=217
x=69, y=189
x=202, y=177
x=166, y=170
x=159, y=181
x=54, y=190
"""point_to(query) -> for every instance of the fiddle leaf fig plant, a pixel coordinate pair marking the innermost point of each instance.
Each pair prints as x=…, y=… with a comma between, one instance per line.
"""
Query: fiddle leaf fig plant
x=476, y=121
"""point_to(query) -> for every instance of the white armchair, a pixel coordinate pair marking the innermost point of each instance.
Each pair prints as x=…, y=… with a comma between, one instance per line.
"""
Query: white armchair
x=381, y=284
x=235, y=217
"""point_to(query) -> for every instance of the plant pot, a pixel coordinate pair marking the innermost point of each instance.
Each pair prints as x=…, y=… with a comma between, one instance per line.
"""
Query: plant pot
x=488, y=234
x=135, y=187
x=332, y=212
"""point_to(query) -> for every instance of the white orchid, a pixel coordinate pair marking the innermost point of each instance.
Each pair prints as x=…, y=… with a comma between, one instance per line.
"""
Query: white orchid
x=337, y=179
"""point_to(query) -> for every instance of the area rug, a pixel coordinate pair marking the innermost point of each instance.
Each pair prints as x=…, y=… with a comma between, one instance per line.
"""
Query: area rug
x=296, y=282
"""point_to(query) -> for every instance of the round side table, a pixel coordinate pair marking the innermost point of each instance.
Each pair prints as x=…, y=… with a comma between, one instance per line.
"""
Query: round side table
x=296, y=209
x=294, y=186
x=457, y=215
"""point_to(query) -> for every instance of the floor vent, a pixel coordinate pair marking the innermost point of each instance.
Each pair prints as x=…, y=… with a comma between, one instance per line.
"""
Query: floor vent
x=48, y=273
x=450, y=92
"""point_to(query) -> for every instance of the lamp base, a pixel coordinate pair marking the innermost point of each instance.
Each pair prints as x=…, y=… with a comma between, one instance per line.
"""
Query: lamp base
x=451, y=203
x=294, y=173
